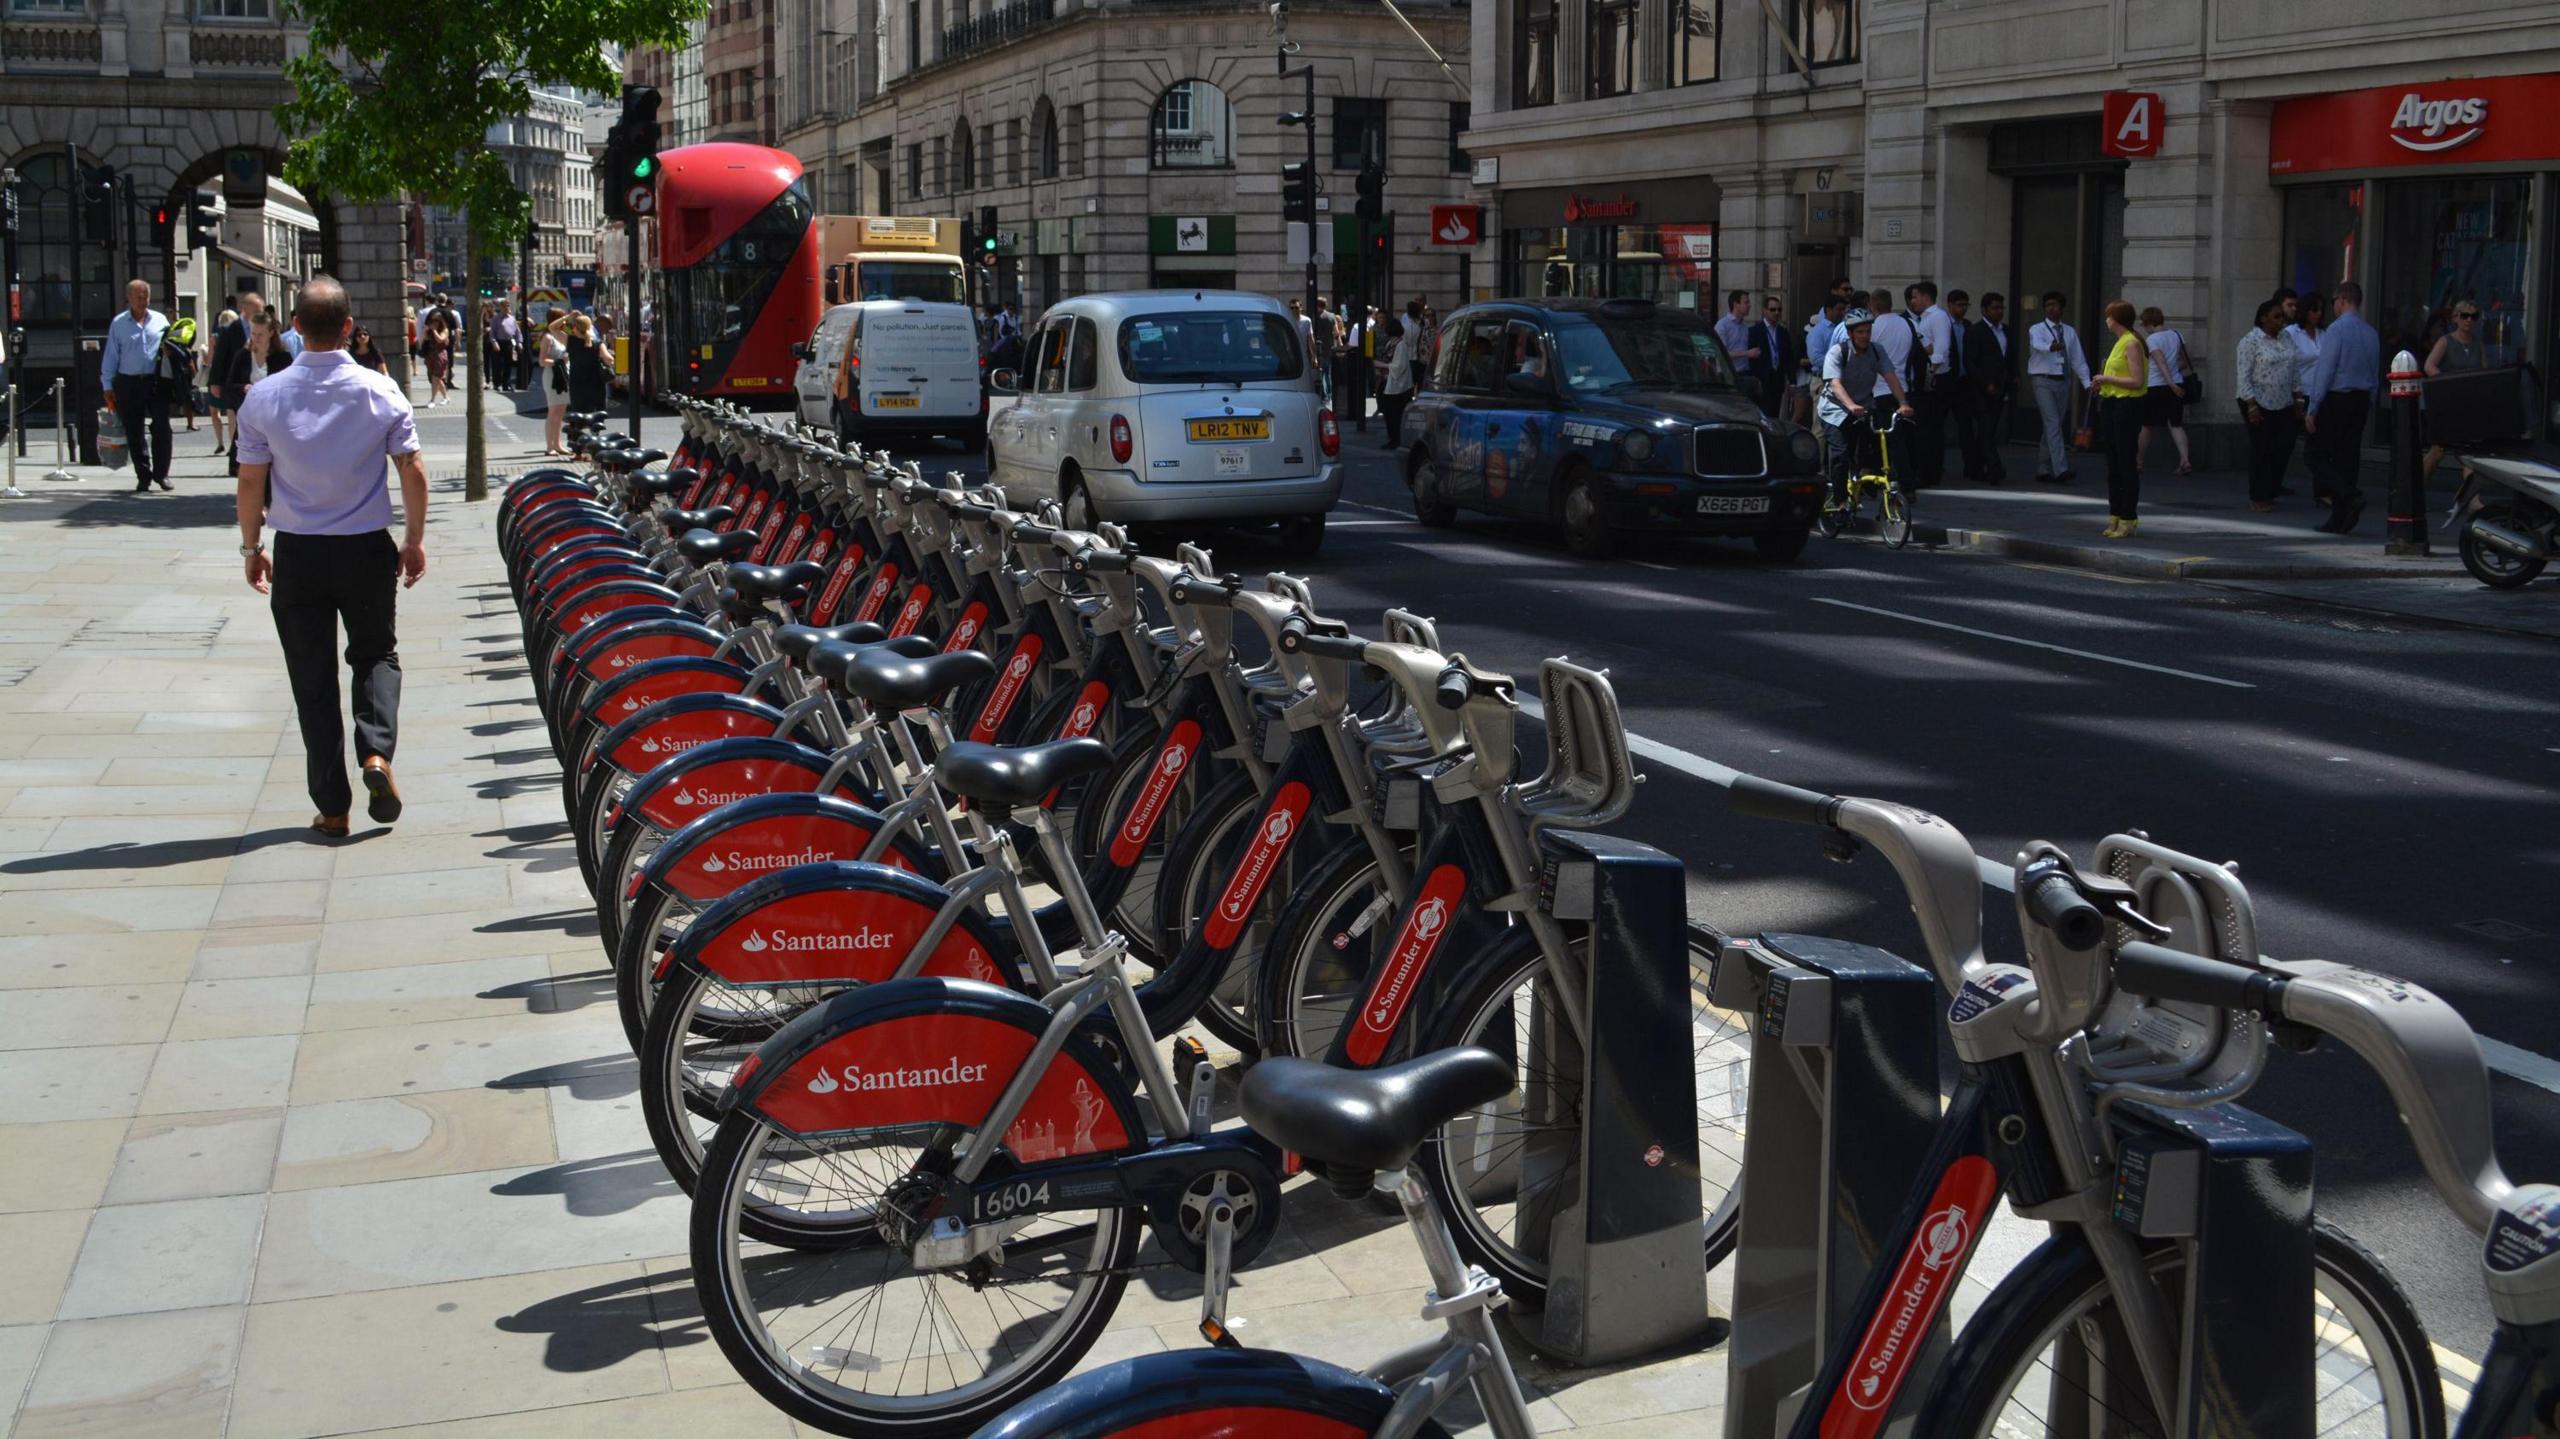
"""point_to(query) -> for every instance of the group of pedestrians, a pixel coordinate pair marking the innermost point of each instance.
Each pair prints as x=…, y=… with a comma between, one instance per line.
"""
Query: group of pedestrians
x=1367, y=353
x=1935, y=364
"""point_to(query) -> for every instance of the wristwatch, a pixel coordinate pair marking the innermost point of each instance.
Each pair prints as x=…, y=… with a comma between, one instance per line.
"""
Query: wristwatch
x=256, y=547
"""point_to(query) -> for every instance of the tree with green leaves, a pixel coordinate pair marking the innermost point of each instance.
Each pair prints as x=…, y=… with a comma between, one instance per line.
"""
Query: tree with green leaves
x=397, y=100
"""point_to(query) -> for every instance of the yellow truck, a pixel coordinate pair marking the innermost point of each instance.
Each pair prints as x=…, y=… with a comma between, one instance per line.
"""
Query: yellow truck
x=892, y=257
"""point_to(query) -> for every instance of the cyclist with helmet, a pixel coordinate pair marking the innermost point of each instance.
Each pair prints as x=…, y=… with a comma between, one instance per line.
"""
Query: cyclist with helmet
x=1854, y=376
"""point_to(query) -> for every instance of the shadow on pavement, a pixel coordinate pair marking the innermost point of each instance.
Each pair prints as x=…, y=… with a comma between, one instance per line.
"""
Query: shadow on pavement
x=607, y=1076
x=606, y=1184
x=163, y=853
x=599, y=1327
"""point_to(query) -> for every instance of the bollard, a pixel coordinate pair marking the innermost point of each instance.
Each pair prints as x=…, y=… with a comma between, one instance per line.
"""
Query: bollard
x=61, y=471
x=9, y=442
x=2405, y=532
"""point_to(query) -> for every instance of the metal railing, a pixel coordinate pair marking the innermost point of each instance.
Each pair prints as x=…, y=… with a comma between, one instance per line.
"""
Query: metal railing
x=1000, y=26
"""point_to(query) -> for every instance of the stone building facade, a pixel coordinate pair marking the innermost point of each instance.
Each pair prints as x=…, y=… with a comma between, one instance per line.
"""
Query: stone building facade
x=1682, y=148
x=1119, y=144
x=175, y=95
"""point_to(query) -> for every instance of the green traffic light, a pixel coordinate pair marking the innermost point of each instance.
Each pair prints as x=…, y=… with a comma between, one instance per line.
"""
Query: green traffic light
x=644, y=167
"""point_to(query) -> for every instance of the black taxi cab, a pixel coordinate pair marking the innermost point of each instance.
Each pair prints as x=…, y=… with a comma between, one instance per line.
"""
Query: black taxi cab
x=1603, y=416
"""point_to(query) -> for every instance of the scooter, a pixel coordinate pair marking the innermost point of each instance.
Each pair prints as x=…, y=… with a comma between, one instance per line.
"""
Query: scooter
x=2509, y=511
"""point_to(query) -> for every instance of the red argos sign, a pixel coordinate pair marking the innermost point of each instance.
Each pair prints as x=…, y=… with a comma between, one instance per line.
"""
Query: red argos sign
x=2130, y=122
x=2499, y=119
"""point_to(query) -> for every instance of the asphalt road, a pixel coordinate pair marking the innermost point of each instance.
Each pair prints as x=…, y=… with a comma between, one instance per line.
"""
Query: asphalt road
x=2390, y=787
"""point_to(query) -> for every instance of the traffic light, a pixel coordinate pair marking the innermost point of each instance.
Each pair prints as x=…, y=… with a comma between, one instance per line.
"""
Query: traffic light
x=204, y=220
x=1298, y=192
x=98, y=205
x=987, y=235
x=1373, y=190
x=164, y=226
x=630, y=155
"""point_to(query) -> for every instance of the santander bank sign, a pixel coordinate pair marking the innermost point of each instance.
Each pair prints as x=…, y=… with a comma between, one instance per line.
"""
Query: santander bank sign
x=2483, y=120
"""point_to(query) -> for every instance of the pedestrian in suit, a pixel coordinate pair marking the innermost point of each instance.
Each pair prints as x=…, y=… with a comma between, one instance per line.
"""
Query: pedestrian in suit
x=2339, y=404
x=1986, y=386
x=1769, y=336
x=2059, y=369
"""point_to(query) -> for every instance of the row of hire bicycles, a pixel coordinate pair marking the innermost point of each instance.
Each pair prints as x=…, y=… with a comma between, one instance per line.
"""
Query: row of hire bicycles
x=921, y=830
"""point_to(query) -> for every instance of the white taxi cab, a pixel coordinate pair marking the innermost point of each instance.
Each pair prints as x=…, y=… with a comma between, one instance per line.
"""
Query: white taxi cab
x=1169, y=406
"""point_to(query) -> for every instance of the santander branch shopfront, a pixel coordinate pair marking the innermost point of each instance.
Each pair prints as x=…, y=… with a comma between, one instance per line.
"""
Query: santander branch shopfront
x=2429, y=194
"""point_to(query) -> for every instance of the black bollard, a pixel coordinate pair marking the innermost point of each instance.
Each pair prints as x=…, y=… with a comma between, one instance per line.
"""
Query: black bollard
x=2405, y=532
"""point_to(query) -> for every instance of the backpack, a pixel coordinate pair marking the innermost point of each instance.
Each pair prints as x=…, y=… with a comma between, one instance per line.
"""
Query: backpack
x=176, y=368
x=1915, y=357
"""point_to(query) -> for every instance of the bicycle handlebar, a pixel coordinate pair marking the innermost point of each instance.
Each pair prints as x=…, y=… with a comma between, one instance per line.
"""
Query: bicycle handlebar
x=1767, y=799
x=1095, y=560
x=2159, y=972
x=1297, y=637
x=2053, y=901
x=1190, y=588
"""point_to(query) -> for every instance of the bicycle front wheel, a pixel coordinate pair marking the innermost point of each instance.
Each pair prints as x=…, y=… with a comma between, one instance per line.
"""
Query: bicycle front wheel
x=1897, y=517
x=1501, y=1173
x=2056, y=1359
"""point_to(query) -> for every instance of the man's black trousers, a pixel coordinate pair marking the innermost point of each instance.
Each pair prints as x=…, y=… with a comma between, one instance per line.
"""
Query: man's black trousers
x=322, y=581
x=146, y=426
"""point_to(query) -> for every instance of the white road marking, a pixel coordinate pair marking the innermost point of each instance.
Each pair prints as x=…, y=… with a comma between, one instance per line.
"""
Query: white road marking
x=1346, y=524
x=1374, y=509
x=1650, y=565
x=2036, y=644
x=2540, y=1071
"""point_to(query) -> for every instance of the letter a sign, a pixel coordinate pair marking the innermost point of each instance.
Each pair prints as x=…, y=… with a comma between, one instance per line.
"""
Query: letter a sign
x=2131, y=123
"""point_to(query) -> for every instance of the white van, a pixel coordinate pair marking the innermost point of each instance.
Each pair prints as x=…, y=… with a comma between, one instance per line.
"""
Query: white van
x=878, y=368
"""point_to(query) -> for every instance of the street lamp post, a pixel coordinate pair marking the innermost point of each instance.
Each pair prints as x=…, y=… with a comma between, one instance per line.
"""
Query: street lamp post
x=1284, y=48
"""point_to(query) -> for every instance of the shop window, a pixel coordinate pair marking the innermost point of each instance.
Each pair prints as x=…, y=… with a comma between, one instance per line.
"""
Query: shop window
x=1694, y=27
x=1825, y=31
x=1359, y=131
x=1533, y=53
x=1193, y=127
x=1458, y=116
x=2454, y=240
x=45, y=252
x=2322, y=229
x=1609, y=49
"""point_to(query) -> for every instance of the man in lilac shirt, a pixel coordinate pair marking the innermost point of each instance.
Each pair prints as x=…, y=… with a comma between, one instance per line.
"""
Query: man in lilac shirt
x=313, y=438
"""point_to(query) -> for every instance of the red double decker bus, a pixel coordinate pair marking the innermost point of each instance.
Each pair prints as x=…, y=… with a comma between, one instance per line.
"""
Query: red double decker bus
x=729, y=270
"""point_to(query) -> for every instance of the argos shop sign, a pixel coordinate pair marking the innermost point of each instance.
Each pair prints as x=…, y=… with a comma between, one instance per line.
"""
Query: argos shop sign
x=2501, y=119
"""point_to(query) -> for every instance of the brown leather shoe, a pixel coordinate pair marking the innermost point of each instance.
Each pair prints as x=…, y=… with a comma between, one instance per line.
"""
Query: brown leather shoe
x=330, y=826
x=385, y=804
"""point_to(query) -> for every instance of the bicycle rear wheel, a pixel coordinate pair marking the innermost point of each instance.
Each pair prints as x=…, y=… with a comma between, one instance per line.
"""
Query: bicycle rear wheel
x=1500, y=1173
x=2055, y=1359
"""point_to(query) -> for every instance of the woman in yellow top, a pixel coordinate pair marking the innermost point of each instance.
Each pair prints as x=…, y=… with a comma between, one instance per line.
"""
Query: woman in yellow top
x=2120, y=388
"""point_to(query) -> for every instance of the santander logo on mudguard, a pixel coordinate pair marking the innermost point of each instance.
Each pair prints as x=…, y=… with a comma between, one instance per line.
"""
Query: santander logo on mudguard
x=843, y=936
x=911, y=613
x=791, y=541
x=1279, y=824
x=943, y=1068
x=640, y=649
x=1172, y=758
x=1434, y=906
x=837, y=584
x=640, y=694
x=965, y=631
x=824, y=546
x=760, y=847
x=1088, y=711
x=697, y=794
x=755, y=512
x=1922, y=1284
x=1017, y=673
x=664, y=739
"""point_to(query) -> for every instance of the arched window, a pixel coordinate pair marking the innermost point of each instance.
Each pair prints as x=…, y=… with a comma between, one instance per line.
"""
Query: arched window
x=1044, y=139
x=964, y=164
x=1193, y=127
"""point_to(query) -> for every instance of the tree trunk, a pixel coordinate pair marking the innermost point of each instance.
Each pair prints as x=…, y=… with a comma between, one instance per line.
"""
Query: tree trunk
x=475, y=465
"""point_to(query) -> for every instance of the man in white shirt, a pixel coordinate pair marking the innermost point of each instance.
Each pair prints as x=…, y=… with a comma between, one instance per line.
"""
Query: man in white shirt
x=2059, y=370
x=129, y=375
x=1734, y=331
x=1926, y=376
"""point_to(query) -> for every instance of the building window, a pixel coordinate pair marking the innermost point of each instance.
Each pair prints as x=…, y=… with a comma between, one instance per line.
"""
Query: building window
x=1457, y=126
x=48, y=7
x=1533, y=53
x=1610, y=44
x=1693, y=40
x=233, y=9
x=963, y=158
x=1826, y=31
x=915, y=34
x=1044, y=134
x=1359, y=131
x=1193, y=127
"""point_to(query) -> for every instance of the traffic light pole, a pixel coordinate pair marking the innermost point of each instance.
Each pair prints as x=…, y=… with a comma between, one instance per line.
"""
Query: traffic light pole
x=81, y=368
x=632, y=322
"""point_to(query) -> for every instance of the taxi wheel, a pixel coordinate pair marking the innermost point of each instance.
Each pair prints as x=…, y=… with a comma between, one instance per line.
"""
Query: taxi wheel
x=1586, y=530
x=1423, y=478
x=1075, y=503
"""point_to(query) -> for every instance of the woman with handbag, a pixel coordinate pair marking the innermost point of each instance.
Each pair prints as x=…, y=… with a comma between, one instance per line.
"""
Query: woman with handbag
x=2166, y=397
x=555, y=385
x=2120, y=388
